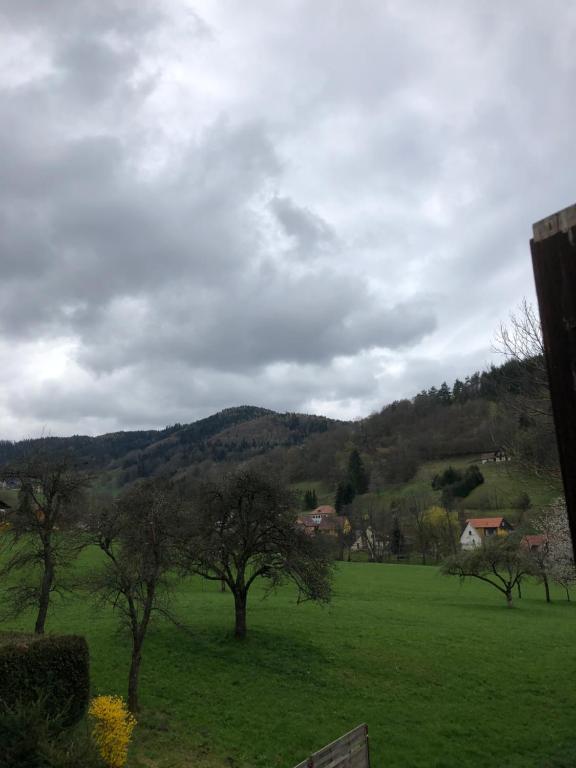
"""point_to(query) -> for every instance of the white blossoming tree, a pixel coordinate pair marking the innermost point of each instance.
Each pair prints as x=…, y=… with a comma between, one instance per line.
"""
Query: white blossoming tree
x=553, y=523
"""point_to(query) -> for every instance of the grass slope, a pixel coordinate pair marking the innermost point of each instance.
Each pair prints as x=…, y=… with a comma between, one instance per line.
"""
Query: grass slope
x=498, y=495
x=443, y=674
x=9, y=497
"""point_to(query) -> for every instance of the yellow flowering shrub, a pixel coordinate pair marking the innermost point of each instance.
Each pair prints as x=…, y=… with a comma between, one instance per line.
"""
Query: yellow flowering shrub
x=112, y=729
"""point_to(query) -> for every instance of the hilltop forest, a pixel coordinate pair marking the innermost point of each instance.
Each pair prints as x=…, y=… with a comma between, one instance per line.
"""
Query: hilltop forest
x=505, y=408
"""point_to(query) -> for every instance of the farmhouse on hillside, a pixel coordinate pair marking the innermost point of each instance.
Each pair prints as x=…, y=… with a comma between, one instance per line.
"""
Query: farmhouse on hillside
x=535, y=542
x=498, y=455
x=479, y=528
x=324, y=519
x=368, y=541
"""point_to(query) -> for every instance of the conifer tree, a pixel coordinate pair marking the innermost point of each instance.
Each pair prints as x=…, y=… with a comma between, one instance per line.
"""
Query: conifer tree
x=358, y=477
x=310, y=499
x=344, y=496
x=444, y=394
x=396, y=538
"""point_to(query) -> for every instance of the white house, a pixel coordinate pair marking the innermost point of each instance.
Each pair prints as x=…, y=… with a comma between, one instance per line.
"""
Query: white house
x=4, y=509
x=479, y=528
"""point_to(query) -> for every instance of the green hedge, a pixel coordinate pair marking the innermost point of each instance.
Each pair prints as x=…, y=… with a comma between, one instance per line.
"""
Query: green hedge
x=53, y=668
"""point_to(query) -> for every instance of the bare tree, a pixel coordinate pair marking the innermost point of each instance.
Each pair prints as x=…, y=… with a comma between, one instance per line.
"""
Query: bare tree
x=542, y=564
x=444, y=530
x=500, y=561
x=372, y=523
x=137, y=534
x=416, y=509
x=521, y=339
x=44, y=532
x=244, y=529
x=526, y=421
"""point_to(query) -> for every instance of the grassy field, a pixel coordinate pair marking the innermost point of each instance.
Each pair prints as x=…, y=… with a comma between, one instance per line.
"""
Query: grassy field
x=9, y=497
x=498, y=495
x=445, y=675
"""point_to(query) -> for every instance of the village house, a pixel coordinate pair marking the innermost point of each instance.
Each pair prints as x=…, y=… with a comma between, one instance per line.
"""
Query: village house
x=497, y=456
x=479, y=528
x=324, y=519
x=534, y=542
x=368, y=541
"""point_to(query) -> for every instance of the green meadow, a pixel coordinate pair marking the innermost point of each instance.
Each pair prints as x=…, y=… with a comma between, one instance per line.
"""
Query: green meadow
x=443, y=673
x=498, y=495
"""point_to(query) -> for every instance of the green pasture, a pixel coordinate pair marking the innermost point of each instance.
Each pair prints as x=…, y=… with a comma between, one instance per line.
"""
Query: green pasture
x=9, y=496
x=498, y=495
x=444, y=674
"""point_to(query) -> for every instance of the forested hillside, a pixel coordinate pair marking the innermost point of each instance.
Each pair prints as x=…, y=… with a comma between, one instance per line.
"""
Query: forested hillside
x=497, y=409
x=228, y=437
x=488, y=411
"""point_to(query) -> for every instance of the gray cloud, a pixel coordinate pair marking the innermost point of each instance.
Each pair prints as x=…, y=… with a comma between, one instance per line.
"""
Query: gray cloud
x=313, y=207
x=306, y=228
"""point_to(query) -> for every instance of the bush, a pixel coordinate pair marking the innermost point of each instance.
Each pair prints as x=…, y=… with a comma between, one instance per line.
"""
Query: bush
x=472, y=479
x=112, y=731
x=455, y=484
x=448, y=477
x=55, y=669
x=32, y=737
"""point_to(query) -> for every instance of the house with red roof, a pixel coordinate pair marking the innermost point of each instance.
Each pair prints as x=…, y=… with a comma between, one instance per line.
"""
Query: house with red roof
x=324, y=519
x=478, y=529
x=535, y=542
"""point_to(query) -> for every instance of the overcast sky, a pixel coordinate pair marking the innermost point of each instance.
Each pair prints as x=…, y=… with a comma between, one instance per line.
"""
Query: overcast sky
x=309, y=205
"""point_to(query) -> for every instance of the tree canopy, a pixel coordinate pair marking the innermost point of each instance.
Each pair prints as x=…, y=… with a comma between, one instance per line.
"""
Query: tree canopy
x=243, y=529
x=501, y=561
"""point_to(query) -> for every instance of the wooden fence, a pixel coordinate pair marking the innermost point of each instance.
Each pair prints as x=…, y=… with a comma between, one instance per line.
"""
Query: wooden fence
x=349, y=751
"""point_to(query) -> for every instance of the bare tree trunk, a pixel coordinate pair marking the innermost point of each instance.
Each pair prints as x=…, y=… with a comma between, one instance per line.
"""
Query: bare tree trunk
x=519, y=590
x=509, y=596
x=240, y=599
x=546, y=586
x=567, y=594
x=45, y=589
x=138, y=635
x=133, y=677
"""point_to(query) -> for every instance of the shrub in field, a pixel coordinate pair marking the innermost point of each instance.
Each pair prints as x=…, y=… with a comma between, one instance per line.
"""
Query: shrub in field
x=33, y=737
x=53, y=668
x=448, y=477
x=112, y=731
x=454, y=483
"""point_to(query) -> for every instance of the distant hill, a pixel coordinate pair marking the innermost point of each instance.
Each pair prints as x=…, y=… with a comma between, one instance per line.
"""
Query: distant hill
x=487, y=411
x=232, y=435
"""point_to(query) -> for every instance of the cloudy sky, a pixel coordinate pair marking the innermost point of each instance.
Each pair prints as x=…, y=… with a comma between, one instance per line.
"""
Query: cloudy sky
x=311, y=205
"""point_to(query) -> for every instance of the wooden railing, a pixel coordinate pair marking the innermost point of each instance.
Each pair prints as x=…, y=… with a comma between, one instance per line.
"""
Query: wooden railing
x=349, y=751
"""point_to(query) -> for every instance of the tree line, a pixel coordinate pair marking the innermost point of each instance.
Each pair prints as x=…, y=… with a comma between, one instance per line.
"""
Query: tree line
x=235, y=531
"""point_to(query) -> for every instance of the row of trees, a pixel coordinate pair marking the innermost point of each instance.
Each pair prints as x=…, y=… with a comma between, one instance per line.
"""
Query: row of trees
x=410, y=526
x=504, y=561
x=234, y=531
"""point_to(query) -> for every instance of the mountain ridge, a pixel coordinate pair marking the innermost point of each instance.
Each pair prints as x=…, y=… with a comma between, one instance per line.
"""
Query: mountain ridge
x=233, y=434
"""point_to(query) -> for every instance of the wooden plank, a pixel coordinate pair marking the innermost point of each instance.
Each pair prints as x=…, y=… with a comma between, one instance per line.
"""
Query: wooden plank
x=349, y=751
x=553, y=250
x=336, y=754
x=344, y=757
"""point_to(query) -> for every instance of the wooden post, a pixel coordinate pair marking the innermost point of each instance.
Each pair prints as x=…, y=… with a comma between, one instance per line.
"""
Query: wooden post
x=553, y=249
